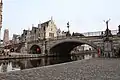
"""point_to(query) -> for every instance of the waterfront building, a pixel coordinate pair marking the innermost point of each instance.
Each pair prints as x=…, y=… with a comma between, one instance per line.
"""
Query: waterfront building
x=11, y=42
x=34, y=33
x=61, y=33
x=87, y=47
x=64, y=33
x=84, y=47
x=23, y=36
x=16, y=39
x=50, y=29
x=28, y=35
x=38, y=32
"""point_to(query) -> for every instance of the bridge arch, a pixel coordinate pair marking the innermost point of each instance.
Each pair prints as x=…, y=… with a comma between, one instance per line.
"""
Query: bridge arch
x=65, y=46
x=35, y=49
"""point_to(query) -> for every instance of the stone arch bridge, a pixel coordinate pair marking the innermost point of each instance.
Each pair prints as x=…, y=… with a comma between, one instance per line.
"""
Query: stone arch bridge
x=64, y=44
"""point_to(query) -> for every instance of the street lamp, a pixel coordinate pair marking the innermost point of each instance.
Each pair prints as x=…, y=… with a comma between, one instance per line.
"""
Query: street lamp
x=68, y=26
x=68, y=33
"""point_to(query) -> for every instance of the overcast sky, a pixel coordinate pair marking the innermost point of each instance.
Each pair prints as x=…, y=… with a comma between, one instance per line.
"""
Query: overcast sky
x=83, y=15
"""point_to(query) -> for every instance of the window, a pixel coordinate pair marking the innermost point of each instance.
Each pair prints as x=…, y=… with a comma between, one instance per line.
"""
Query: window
x=51, y=34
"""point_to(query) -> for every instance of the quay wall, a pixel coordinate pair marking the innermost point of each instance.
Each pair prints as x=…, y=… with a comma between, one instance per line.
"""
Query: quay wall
x=90, y=69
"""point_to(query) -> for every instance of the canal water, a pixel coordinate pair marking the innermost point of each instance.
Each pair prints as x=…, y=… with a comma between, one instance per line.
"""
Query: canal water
x=20, y=64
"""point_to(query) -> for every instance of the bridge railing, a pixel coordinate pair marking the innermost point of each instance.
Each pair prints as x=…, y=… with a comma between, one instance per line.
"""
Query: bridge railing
x=86, y=35
x=98, y=33
x=57, y=38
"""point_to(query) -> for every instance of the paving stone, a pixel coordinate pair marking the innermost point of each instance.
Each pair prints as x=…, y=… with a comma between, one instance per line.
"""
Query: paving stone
x=93, y=69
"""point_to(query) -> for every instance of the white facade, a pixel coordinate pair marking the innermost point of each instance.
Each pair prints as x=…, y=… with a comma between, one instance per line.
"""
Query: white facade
x=50, y=29
x=87, y=47
x=84, y=47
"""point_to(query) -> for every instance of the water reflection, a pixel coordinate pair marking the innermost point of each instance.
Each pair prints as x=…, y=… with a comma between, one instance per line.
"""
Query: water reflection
x=20, y=64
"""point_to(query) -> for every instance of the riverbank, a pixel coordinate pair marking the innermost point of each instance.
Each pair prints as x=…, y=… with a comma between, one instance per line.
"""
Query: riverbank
x=91, y=69
x=22, y=56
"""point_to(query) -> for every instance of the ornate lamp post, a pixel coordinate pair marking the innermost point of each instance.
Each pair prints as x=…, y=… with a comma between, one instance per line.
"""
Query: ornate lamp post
x=68, y=26
x=68, y=33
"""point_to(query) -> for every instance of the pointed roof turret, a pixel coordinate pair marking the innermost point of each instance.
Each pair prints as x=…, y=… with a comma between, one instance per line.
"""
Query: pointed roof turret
x=28, y=28
x=32, y=25
x=39, y=24
x=1, y=1
x=51, y=17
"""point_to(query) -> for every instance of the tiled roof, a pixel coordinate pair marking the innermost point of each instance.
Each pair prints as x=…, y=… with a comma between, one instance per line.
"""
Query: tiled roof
x=45, y=23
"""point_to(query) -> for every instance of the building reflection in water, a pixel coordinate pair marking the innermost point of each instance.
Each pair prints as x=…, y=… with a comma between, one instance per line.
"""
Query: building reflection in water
x=8, y=66
x=20, y=64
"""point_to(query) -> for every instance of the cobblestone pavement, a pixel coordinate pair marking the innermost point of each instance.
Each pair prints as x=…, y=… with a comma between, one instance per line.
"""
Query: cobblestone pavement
x=93, y=69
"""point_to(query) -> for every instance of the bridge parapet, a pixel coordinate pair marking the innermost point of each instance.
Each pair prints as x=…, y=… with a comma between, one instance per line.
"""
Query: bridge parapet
x=98, y=33
x=92, y=40
x=80, y=38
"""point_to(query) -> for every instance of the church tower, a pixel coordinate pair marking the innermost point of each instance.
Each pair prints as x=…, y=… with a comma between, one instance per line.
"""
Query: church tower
x=1, y=6
x=6, y=37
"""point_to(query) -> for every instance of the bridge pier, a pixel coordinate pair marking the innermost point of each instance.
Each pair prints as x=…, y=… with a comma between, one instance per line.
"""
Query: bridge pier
x=44, y=50
x=108, y=49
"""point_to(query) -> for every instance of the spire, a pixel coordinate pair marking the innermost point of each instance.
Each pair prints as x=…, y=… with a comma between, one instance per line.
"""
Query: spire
x=51, y=17
x=39, y=24
x=32, y=25
x=1, y=6
x=28, y=28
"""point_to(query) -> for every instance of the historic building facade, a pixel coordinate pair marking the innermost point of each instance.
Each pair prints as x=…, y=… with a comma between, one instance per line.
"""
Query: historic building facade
x=61, y=33
x=47, y=29
x=15, y=39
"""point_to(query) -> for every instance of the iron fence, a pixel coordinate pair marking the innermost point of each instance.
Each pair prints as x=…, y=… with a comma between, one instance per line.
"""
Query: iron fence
x=98, y=33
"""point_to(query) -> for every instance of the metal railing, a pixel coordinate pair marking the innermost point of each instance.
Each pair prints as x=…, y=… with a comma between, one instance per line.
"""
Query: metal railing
x=98, y=33
x=86, y=35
